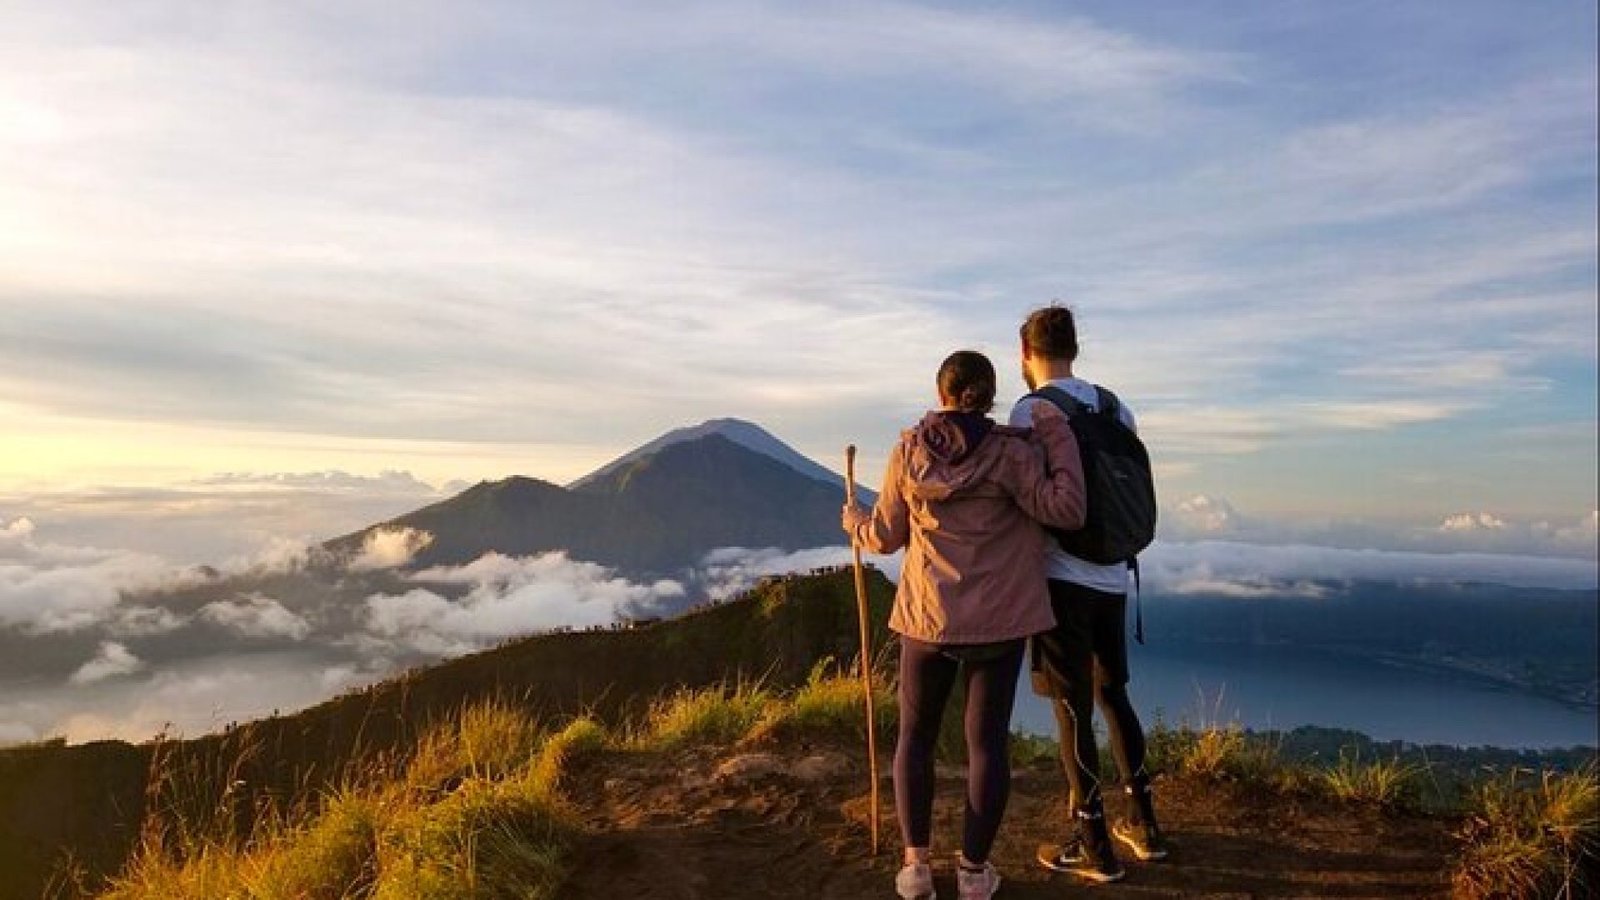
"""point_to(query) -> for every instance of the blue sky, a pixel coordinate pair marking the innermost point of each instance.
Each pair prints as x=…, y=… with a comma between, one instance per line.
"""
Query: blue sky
x=1340, y=256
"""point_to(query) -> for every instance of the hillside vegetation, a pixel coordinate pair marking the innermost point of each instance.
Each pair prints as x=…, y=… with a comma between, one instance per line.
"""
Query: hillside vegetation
x=735, y=789
x=84, y=804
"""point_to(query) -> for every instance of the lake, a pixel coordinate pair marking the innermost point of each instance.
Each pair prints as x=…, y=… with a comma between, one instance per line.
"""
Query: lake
x=1282, y=687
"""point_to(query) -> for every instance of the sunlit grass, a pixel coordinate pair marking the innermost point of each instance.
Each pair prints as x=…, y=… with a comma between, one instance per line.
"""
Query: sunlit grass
x=330, y=858
x=831, y=701
x=475, y=812
x=1221, y=752
x=483, y=740
x=1390, y=783
x=208, y=873
x=1532, y=837
x=580, y=739
x=721, y=714
x=487, y=839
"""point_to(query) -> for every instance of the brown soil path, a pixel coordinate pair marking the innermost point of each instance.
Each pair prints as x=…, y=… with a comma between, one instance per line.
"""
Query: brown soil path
x=673, y=828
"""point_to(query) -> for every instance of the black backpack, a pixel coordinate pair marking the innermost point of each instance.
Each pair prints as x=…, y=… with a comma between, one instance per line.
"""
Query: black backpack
x=1121, y=515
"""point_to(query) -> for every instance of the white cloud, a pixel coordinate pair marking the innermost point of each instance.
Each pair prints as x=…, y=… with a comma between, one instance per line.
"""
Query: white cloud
x=187, y=699
x=388, y=482
x=1439, y=370
x=390, y=548
x=1200, y=579
x=278, y=554
x=230, y=521
x=506, y=597
x=340, y=678
x=1581, y=537
x=1202, y=514
x=1259, y=558
x=1208, y=429
x=1112, y=79
x=1232, y=568
x=112, y=660
x=51, y=587
x=728, y=571
x=1377, y=414
x=1202, y=517
x=1485, y=531
x=144, y=621
x=1472, y=522
x=256, y=617
x=1173, y=566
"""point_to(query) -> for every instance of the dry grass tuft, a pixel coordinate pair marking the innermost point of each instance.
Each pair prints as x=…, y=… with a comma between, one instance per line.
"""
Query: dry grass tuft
x=1532, y=839
x=832, y=701
x=723, y=714
x=474, y=813
x=1390, y=784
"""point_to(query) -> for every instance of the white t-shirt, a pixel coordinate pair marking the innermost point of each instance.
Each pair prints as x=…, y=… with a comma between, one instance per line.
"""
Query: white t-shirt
x=1059, y=564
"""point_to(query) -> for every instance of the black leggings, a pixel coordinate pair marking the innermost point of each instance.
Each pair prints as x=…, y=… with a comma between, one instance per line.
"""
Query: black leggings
x=927, y=676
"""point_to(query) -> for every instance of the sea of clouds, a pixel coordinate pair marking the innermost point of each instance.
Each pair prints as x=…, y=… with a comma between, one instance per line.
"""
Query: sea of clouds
x=99, y=643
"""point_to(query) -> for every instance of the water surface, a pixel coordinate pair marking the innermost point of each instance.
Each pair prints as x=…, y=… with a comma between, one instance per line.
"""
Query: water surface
x=1285, y=687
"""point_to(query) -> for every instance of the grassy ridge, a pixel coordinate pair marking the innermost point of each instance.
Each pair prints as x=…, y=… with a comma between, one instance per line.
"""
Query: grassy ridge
x=476, y=808
x=93, y=798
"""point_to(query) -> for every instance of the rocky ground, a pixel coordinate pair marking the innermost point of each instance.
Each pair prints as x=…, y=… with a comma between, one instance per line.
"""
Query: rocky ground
x=793, y=824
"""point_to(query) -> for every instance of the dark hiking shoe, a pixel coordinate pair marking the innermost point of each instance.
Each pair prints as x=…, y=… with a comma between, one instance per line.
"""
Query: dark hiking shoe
x=1145, y=841
x=1079, y=857
x=1141, y=801
x=1088, y=853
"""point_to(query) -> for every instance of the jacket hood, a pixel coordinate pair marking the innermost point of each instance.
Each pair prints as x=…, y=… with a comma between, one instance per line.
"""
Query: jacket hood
x=944, y=455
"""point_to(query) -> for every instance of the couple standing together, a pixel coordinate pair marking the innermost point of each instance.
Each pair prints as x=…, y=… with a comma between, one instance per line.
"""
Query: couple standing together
x=967, y=497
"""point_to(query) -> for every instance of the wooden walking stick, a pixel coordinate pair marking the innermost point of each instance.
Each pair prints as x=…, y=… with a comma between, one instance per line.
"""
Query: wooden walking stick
x=866, y=642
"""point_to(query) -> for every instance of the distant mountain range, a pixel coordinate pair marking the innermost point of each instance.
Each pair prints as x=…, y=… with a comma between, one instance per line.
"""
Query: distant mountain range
x=651, y=512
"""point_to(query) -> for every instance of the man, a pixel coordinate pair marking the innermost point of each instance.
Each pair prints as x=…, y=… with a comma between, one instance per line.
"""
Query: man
x=1084, y=659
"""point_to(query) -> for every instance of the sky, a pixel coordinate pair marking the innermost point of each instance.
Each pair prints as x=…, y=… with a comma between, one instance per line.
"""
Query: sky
x=273, y=271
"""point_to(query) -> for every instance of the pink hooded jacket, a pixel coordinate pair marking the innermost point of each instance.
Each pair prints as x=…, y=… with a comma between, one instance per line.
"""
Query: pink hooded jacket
x=963, y=494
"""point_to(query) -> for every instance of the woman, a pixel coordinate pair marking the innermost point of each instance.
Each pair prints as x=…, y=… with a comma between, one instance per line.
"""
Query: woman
x=962, y=495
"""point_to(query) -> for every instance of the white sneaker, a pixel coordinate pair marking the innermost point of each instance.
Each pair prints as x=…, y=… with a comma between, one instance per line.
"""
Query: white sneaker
x=979, y=885
x=915, y=882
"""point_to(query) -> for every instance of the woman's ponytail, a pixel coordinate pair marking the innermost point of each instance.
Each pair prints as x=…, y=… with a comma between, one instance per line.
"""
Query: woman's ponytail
x=966, y=381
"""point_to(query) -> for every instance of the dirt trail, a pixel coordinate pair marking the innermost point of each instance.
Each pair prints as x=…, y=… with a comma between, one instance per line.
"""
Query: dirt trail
x=793, y=825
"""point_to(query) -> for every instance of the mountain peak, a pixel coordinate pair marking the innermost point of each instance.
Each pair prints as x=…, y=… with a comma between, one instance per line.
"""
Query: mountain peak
x=740, y=431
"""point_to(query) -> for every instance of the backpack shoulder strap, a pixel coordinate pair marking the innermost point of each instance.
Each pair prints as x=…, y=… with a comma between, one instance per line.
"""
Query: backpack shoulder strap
x=1063, y=401
x=1109, y=404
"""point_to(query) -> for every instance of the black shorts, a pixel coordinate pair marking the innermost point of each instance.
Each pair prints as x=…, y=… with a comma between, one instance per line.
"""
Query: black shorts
x=1089, y=644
